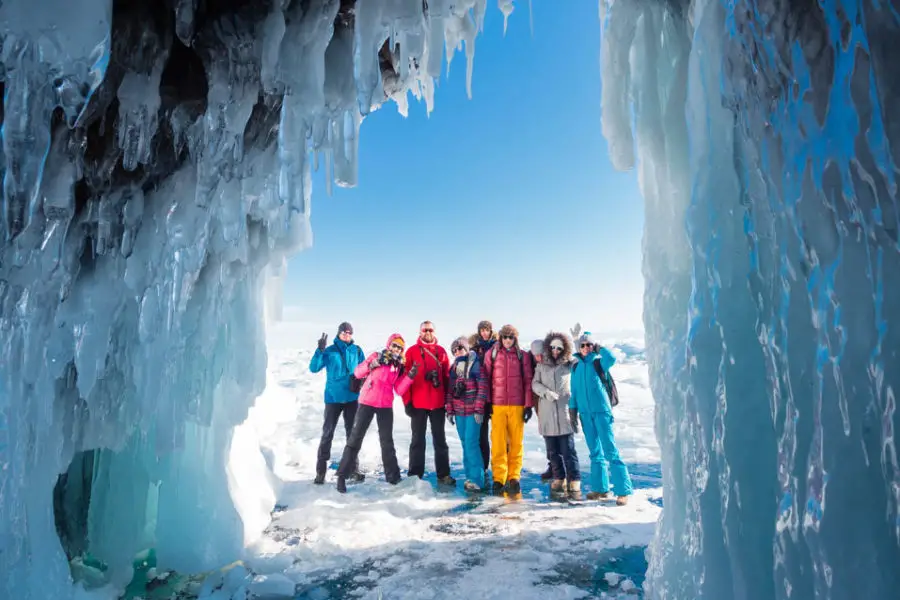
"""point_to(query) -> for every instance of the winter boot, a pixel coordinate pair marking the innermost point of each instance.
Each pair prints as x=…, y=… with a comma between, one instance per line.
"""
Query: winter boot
x=342, y=484
x=575, y=490
x=320, y=479
x=548, y=474
x=513, y=487
x=558, y=486
x=358, y=477
x=621, y=500
x=597, y=495
x=498, y=487
x=446, y=480
x=471, y=486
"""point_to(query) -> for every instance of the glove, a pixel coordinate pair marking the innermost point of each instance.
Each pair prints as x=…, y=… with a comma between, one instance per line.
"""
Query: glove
x=413, y=370
x=527, y=414
x=552, y=395
x=374, y=365
x=451, y=419
x=385, y=358
x=479, y=419
x=573, y=416
x=408, y=408
x=323, y=342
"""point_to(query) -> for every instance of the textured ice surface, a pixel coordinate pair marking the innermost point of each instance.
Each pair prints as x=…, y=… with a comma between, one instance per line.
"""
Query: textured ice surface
x=767, y=141
x=156, y=163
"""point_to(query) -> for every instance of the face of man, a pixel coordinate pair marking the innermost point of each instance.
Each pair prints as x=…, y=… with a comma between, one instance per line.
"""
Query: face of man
x=485, y=333
x=346, y=336
x=508, y=341
x=426, y=332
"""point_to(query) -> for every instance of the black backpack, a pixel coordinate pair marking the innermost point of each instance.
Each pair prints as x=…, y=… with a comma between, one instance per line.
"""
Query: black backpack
x=607, y=379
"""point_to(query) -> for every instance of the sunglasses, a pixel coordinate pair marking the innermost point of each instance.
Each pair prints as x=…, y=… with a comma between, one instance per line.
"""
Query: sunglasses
x=458, y=350
x=509, y=337
x=428, y=331
x=587, y=345
x=397, y=346
x=556, y=348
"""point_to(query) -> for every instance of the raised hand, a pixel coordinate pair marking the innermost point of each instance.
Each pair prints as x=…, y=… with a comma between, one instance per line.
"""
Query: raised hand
x=413, y=370
x=323, y=342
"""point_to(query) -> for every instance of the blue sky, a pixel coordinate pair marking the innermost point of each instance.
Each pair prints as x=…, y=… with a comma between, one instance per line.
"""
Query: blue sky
x=503, y=207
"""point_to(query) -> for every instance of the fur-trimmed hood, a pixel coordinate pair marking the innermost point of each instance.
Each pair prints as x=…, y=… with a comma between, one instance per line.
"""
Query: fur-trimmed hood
x=567, y=347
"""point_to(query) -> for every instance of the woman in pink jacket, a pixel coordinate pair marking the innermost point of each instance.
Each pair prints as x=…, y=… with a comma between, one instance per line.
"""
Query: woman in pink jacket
x=384, y=377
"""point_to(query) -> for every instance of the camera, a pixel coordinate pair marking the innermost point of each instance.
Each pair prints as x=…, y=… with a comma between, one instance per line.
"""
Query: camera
x=459, y=388
x=434, y=377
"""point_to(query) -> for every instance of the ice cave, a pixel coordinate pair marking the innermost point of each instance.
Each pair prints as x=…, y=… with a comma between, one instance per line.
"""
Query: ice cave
x=156, y=161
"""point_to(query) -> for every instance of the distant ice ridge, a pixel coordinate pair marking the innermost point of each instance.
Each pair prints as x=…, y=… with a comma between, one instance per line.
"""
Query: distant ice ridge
x=155, y=159
x=767, y=139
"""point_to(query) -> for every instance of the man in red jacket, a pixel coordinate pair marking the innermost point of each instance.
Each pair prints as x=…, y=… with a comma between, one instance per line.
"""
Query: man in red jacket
x=507, y=373
x=425, y=403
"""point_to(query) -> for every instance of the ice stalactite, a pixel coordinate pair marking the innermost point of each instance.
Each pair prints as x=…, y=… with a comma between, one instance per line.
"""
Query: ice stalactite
x=156, y=160
x=767, y=145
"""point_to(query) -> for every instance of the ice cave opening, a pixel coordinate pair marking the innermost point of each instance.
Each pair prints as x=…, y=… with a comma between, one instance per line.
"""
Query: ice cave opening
x=156, y=166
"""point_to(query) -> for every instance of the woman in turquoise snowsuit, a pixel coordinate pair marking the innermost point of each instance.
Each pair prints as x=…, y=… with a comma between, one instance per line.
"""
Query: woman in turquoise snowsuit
x=591, y=401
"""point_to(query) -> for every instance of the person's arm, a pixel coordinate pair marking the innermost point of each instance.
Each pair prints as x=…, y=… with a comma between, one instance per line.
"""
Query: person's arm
x=317, y=363
x=365, y=367
x=537, y=384
x=403, y=383
x=407, y=391
x=606, y=359
x=529, y=377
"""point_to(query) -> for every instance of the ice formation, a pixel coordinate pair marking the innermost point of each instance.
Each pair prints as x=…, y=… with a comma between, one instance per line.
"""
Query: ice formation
x=766, y=135
x=156, y=162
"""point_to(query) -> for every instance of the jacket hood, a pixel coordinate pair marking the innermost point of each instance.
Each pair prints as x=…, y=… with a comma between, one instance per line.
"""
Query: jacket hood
x=567, y=347
x=475, y=339
x=395, y=336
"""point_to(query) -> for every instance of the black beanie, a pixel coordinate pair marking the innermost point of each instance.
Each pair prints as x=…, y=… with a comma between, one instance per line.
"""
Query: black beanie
x=345, y=326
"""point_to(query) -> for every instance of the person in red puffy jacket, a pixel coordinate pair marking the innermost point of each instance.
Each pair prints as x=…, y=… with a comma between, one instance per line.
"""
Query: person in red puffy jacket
x=425, y=404
x=507, y=374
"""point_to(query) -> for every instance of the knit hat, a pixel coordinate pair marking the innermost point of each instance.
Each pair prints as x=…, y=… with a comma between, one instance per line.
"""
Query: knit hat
x=345, y=326
x=585, y=338
x=458, y=343
x=509, y=330
x=537, y=347
x=485, y=325
x=396, y=338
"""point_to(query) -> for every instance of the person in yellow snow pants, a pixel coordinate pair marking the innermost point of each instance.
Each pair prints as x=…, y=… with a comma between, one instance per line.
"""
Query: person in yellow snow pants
x=507, y=373
x=508, y=430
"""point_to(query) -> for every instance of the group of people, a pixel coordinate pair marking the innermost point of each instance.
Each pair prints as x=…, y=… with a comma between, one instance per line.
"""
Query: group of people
x=489, y=387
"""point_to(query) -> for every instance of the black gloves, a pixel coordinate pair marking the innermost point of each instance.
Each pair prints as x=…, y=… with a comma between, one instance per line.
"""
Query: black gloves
x=413, y=370
x=408, y=408
x=527, y=414
x=451, y=419
x=573, y=416
x=323, y=342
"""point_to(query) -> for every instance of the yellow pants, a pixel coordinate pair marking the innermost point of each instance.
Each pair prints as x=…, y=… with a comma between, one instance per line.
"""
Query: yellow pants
x=507, y=427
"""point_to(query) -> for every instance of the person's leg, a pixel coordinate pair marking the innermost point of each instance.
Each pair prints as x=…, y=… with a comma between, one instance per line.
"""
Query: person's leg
x=516, y=427
x=599, y=473
x=570, y=457
x=484, y=440
x=553, y=453
x=332, y=411
x=417, y=424
x=349, y=412
x=470, y=435
x=385, y=418
x=618, y=471
x=439, y=441
x=354, y=443
x=498, y=443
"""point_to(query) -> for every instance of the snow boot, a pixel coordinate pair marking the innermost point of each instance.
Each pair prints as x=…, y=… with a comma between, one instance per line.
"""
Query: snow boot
x=446, y=480
x=621, y=500
x=597, y=495
x=548, y=474
x=575, y=490
x=498, y=487
x=471, y=486
x=341, y=484
x=558, y=486
x=320, y=479
x=358, y=477
x=513, y=487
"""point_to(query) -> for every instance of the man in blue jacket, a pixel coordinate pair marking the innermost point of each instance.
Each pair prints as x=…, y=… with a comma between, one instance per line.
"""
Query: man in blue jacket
x=590, y=399
x=339, y=359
